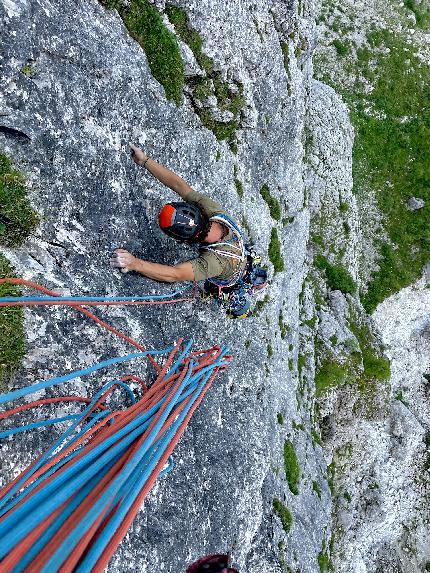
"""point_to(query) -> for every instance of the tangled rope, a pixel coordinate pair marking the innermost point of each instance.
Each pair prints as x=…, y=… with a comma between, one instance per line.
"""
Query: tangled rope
x=70, y=509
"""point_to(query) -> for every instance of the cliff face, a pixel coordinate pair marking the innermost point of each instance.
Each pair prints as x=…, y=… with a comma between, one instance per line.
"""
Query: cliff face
x=256, y=132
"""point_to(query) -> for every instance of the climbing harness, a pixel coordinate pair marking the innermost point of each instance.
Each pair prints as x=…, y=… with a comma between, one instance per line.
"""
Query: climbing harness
x=72, y=506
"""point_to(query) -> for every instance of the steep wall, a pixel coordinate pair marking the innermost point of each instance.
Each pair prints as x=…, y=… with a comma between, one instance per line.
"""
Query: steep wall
x=237, y=113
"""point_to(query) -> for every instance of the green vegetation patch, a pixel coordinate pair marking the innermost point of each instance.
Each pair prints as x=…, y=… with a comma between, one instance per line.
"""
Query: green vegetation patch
x=292, y=467
x=331, y=374
x=275, y=255
x=283, y=326
x=337, y=277
x=260, y=304
x=17, y=218
x=228, y=98
x=324, y=560
x=376, y=366
x=17, y=221
x=284, y=514
x=146, y=26
x=280, y=418
x=239, y=187
x=12, y=336
x=421, y=11
x=178, y=17
x=273, y=203
x=342, y=48
x=317, y=488
x=392, y=149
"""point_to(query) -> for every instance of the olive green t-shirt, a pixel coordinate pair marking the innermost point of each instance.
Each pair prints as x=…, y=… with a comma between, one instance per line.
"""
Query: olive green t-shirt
x=210, y=264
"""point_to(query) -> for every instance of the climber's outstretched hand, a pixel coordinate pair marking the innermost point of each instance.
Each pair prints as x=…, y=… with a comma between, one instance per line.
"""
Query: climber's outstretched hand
x=122, y=260
x=137, y=154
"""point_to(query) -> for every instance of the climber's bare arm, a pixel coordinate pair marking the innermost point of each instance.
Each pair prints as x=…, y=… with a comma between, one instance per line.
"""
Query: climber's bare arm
x=126, y=262
x=164, y=175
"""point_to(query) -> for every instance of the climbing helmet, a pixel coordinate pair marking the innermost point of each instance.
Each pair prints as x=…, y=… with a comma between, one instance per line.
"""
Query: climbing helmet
x=184, y=222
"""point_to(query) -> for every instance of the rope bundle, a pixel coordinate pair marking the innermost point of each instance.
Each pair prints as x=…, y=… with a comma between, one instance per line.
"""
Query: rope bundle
x=70, y=509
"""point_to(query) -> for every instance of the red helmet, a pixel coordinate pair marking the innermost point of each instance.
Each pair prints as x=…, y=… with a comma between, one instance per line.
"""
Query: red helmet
x=184, y=222
x=212, y=564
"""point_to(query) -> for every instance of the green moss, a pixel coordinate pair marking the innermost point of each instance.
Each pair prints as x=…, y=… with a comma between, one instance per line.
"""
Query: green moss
x=343, y=207
x=260, y=304
x=286, y=55
x=146, y=26
x=280, y=418
x=333, y=340
x=178, y=17
x=272, y=202
x=287, y=221
x=324, y=560
x=421, y=11
x=316, y=437
x=269, y=351
x=376, y=367
x=227, y=98
x=428, y=566
x=331, y=476
x=330, y=375
x=292, y=467
x=239, y=187
x=342, y=48
x=297, y=426
x=290, y=364
x=283, y=327
x=217, y=155
x=318, y=240
x=284, y=514
x=311, y=322
x=12, y=336
x=301, y=363
x=275, y=251
x=17, y=218
x=337, y=277
x=316, y=488
x=28, y=70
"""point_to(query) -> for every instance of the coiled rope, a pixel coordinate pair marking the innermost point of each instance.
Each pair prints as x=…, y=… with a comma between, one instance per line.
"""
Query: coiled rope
x=70, y=509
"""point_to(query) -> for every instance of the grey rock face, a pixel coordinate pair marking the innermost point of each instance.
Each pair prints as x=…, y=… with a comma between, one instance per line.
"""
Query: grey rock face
x=91, y=93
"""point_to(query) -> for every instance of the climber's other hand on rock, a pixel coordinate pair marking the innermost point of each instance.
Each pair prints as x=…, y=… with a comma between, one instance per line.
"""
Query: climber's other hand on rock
x=122, y=260
x=137, y=154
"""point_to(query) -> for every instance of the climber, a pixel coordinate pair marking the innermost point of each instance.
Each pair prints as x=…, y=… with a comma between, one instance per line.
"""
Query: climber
x=223, y=260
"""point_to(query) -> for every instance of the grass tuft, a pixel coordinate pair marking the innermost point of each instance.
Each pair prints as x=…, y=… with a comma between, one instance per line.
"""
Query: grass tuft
x=275, y=255
x=284, y=514
x=146, y=26
x=292, y=467
x=338, y=278
x=331, y=375
x=272, y=202
x=12, y=336
x=227, y=98
x=17, y=218
x=17, y=221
